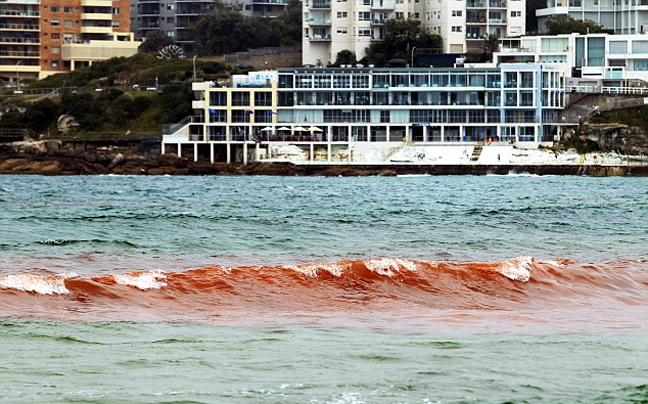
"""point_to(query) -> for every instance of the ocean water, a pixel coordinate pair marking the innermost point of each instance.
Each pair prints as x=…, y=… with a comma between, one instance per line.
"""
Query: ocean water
x=414, y=289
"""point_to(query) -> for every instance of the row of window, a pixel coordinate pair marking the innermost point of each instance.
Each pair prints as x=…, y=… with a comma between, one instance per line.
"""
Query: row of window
x=385, y=80
x=240, y=98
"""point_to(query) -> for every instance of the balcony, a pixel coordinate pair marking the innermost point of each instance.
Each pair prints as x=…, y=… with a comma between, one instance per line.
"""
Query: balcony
x=497, y=4
x=271, y=2
x=19, y=13
x=96, y=30
x=19, y=54
x=381, y=5
x=96, y=3
x=22, y=41
x=320, y=5
x=19, y=27
x=475, y=4
x=379, y=21
x=97, y=16
x=320, y=38
x=319, y=22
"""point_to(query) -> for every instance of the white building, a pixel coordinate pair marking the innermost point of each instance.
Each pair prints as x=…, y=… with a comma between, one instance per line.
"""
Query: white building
x=624, y=17
x=594, y=60
x=374, y=115
x=331, y=26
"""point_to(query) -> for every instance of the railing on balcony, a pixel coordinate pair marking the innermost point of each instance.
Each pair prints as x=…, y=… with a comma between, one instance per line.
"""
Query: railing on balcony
x=316, y=38
x=19, y=13
x=320, y=5
x=382, y=5
x=319, y=21
x=18, y=27
x=6, y=39
x=12, y=53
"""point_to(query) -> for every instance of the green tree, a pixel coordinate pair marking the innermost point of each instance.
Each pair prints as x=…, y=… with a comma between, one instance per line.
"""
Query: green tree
x=564, y=24
x=401, y=37
x=224, y=30
x=42, y=114
x=154, y=41
x=176, y=103
x=345, y=57
x=287, y=27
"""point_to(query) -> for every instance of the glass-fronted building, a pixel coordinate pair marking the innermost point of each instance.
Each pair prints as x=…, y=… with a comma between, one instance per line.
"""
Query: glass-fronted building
x=330, y=112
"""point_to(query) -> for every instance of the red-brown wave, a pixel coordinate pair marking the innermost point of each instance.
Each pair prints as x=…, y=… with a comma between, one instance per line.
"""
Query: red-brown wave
x=381, y=290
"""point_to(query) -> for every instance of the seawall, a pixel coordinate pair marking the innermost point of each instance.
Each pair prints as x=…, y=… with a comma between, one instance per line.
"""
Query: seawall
x=139, y=158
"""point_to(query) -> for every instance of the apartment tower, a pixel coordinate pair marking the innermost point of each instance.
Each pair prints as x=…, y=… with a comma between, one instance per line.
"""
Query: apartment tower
x=621, y=16
x=334, y=25
x=43, y=37
x=175, y=18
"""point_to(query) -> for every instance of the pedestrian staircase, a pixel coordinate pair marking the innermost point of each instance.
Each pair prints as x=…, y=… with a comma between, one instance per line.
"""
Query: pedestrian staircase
x=476, y=152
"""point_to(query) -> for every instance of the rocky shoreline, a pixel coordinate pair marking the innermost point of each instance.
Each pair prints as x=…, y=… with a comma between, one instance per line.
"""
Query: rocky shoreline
x=95, y=158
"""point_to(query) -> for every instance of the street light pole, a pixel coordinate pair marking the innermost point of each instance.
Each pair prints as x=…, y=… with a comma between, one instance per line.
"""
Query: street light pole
x=412, y=64
x=194, y=66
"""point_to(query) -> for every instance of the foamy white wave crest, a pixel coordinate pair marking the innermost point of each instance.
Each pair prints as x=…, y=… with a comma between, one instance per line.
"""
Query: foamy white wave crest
x=312, y=269
x=147, y=280
x=554, y=263
x=518, y=269
x=43, y=285
x=389, y=266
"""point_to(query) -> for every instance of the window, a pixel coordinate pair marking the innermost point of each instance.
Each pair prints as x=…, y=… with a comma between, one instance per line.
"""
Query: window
x=218, y=99
x=55, y=63
x=263, y=99
x=56, y=49
x=55, y=9
x=56, y=23
x=55, y=35
x=342, y=14
x=364, y=32
x=67, y=9
x=456, y=28
x=240, y=98
x=169, y=6
x=364, y=16
x=68, y=23
x=516, y=13
x=457, y=13
x=115, y=10
x=342, y=30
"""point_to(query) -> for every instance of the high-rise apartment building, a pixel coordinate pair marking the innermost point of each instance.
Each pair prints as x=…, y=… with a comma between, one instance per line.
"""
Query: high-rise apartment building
x=621, y=16
x=43, y=37
x=175, y=18
x=331, y=26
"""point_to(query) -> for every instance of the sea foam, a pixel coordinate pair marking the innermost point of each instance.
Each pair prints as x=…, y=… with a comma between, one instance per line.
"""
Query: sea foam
x=42, y=285
x=154, y=279
x=517, y=269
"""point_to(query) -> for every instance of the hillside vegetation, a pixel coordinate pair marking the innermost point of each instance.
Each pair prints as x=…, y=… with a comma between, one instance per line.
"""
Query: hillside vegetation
x=138, y=94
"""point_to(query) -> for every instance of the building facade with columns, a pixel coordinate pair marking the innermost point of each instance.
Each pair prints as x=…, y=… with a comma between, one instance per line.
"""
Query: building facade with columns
x=353, y=115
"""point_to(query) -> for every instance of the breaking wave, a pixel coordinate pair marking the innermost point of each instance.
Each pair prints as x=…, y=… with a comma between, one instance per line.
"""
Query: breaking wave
x=379, y=285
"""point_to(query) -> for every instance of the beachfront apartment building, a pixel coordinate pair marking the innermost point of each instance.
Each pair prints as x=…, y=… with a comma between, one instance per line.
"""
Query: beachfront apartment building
x=43, y=37
x=371, y=115
x=175, y=18
x=592, y=61
x=331, y=26
x=620, y=16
